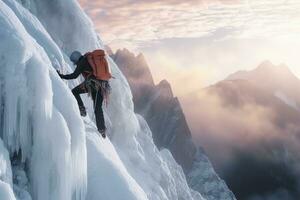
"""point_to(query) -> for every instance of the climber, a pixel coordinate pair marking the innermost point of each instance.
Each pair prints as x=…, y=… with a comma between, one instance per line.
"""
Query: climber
x=95, y=70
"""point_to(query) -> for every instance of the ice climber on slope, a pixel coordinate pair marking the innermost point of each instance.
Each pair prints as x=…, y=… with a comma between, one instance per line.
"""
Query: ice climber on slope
x=95, y=70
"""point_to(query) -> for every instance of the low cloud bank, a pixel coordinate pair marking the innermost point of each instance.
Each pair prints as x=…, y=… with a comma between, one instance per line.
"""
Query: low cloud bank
x=252, y=138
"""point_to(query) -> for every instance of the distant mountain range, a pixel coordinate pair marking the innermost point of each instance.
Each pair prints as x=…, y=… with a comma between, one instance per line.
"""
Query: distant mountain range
x=249, y=126
x=278, y=80
x=163, y=113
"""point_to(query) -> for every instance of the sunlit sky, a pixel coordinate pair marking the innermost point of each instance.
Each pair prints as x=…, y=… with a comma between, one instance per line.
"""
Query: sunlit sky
x=198, y=42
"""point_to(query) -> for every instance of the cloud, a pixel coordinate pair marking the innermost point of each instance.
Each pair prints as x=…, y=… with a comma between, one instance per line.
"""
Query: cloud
x=139, y=22
x=279, y=194
x=251, y=138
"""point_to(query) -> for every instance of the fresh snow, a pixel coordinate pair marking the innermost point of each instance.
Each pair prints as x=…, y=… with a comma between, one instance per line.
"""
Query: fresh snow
x=63, y=157
x=107, y=175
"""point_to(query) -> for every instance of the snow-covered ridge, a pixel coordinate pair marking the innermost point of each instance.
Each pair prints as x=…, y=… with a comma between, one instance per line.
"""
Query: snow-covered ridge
x=62, y=156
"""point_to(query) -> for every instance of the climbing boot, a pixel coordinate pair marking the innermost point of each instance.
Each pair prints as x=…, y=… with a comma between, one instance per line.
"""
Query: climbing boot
x=102, y=132
x=82, y=111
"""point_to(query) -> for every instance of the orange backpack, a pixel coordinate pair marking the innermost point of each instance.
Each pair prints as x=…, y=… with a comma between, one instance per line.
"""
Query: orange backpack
x=99, y=64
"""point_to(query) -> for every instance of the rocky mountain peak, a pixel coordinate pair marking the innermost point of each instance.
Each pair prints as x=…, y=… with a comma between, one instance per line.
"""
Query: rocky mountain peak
x=165, y=88
x=265, y=72
x=142, y=60
x=124, y=53
x=268, y=67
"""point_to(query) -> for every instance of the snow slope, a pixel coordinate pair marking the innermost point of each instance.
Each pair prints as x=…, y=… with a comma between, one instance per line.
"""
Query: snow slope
x=106, y=171
x=61, y=154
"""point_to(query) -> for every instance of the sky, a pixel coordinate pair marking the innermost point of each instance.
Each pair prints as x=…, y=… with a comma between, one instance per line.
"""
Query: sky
x=200, y=42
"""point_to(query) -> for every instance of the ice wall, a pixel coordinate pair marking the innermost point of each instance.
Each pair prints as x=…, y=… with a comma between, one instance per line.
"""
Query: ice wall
x=34, y=120
x=6, y=192
x=5, y=175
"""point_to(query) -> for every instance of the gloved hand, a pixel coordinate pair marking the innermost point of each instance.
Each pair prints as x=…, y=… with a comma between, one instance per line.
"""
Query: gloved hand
x=59, y=74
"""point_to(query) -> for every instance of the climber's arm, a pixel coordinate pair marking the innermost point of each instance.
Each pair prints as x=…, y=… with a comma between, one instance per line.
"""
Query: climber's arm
x=73, y=75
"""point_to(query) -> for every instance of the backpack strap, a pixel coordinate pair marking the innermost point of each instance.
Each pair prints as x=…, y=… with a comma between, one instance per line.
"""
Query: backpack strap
x=90, y=60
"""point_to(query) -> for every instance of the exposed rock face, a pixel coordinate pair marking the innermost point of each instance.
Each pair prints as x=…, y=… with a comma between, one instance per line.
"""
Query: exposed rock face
x=163, y=113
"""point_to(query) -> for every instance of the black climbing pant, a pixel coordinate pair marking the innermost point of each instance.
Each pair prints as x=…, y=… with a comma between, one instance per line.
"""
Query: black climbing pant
x=97, y=99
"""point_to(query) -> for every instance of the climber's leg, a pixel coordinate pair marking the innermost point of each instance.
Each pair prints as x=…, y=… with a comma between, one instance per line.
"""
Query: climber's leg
x=80, y=89
x=98, y=101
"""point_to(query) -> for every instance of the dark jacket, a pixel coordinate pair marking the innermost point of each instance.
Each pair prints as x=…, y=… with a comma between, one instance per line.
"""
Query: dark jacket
x=83, y=67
